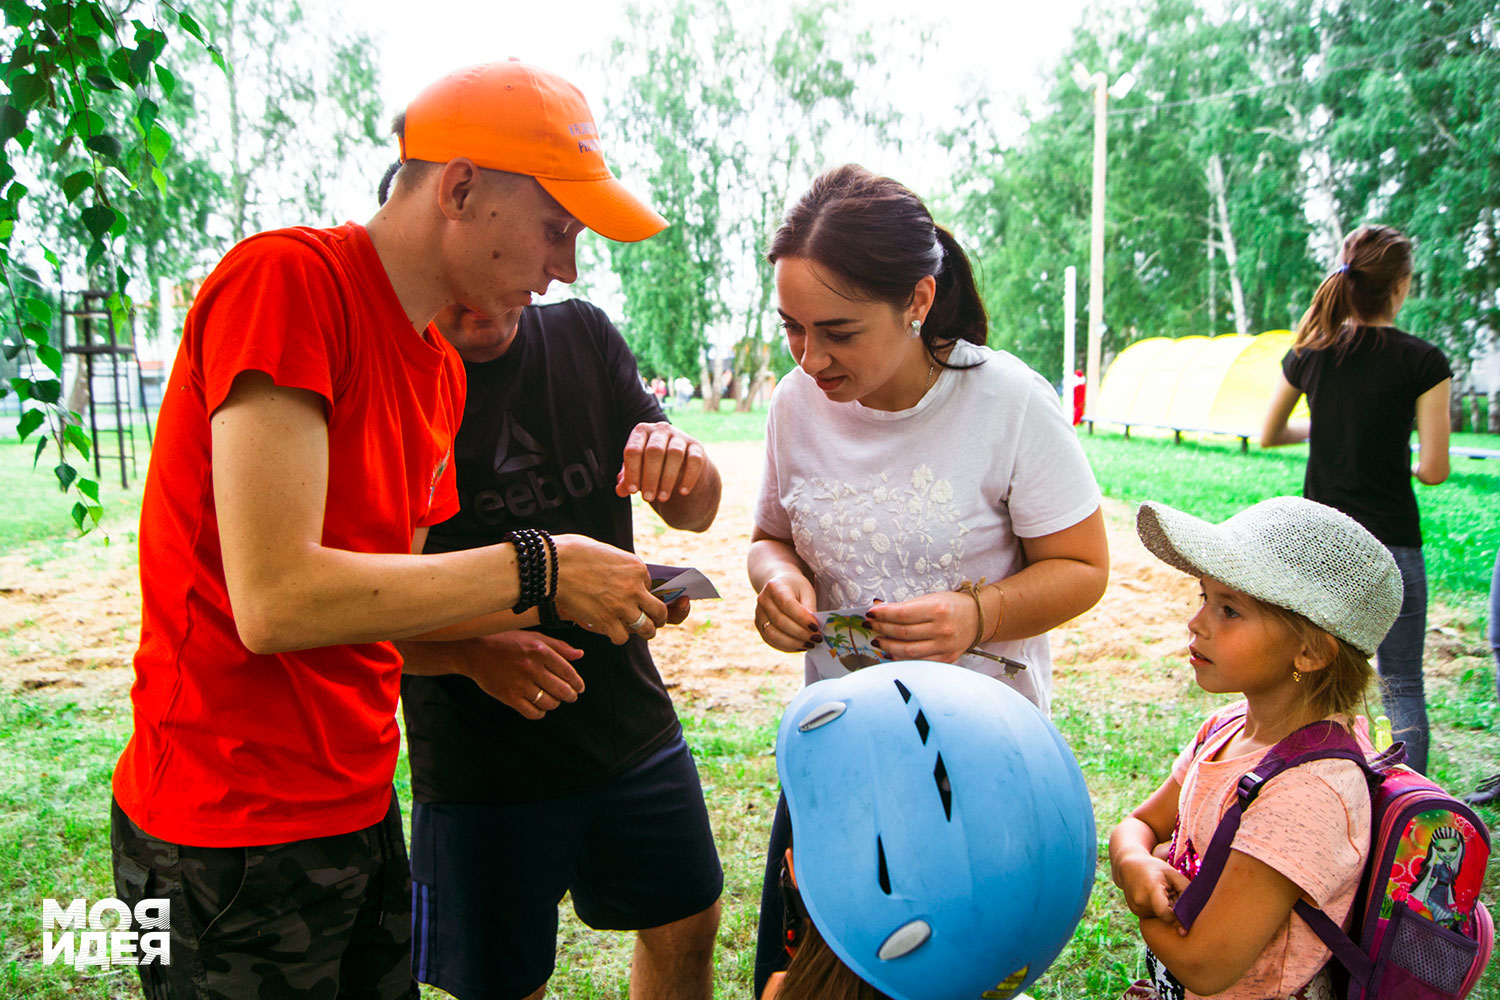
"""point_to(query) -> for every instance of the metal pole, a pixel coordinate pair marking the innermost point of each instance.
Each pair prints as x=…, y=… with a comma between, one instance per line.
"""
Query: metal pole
x=1070, y=325
x=1096, y=250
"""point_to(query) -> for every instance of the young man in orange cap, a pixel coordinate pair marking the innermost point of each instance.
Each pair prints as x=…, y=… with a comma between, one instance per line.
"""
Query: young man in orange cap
x=572, y=776
x=305, y=446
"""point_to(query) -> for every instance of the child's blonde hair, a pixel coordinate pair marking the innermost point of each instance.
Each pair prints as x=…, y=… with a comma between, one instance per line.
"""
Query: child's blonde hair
x=1340, y=687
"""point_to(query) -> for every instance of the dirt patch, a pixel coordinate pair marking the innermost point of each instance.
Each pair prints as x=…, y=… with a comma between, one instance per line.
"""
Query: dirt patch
x=70, y=616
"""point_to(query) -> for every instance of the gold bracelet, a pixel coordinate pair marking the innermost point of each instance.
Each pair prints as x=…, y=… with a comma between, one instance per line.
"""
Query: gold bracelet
x=973, y=591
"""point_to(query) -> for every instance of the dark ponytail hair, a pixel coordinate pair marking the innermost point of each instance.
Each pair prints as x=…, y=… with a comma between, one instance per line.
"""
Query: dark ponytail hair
x=1374, y=260
x=878, y=240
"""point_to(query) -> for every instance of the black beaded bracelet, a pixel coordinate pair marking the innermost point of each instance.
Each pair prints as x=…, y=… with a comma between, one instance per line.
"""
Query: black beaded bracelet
x=547, y=606
x=531, y=567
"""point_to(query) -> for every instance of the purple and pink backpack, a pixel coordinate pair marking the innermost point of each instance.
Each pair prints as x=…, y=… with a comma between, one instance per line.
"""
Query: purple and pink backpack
x=1418, y=930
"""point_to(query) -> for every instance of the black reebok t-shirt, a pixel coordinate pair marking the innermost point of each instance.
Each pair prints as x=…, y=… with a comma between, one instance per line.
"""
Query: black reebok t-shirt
x=1364, y=406
x=540, y=446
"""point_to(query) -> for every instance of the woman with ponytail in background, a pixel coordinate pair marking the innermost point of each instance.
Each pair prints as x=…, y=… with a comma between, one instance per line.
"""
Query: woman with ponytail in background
x=1366, y=384
x=909, y=468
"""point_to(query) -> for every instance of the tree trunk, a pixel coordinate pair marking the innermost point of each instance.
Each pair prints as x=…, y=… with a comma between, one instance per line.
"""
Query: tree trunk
x=1231, y=253
x=77, y=398
x=238, y=182
x=708, y=383
x=1494, y=414
x=756, y=375
x=1213, y=315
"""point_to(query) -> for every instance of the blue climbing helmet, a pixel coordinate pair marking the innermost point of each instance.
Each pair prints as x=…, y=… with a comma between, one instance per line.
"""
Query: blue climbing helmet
x=943, y=835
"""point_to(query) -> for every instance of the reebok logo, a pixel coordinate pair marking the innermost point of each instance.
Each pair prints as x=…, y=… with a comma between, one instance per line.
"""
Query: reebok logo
x=516, y=450
x=522, y=488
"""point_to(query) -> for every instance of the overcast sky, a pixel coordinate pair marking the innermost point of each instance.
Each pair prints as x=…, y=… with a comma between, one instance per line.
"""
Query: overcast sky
x=1004, y=42
x=1000, y=49
x=1002, y=46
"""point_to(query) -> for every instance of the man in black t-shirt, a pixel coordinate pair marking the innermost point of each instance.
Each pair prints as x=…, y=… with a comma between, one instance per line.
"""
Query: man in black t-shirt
x=555, y=762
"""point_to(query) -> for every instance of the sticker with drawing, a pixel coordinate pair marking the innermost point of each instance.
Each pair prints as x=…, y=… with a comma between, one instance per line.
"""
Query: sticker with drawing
x=846, y=643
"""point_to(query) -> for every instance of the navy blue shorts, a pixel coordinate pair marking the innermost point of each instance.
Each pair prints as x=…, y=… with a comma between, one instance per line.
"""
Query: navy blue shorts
x=487, y=879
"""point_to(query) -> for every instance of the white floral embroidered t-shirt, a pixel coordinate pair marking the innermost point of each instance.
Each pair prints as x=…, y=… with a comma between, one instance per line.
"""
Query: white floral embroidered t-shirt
x=899, y=504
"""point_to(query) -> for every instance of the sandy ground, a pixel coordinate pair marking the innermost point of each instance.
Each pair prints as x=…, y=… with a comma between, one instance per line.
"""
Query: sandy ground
x=69, y=615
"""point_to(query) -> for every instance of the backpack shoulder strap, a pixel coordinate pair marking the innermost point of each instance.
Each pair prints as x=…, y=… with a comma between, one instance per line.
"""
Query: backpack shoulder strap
x=1349, y=955
x=1322, y=740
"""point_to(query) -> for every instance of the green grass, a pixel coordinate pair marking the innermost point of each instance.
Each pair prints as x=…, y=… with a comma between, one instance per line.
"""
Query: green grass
x=726, y=425
x=54, y=838
x=54, y=833
x=32, y=508
x=1212, y=479
x=56, y=755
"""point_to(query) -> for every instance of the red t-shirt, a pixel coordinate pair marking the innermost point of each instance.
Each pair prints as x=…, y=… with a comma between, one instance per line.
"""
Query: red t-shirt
x=232, y=748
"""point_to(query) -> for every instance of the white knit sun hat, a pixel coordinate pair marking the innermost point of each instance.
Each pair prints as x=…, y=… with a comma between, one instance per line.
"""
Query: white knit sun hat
x=1291, y=552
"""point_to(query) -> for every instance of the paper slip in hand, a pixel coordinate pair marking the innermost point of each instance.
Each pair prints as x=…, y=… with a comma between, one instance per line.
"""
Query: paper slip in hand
x=846, y=643
x=671, y=582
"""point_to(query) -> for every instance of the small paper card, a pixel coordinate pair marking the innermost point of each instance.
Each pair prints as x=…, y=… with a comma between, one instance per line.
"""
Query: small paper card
x=671, y=582
x=846, y=643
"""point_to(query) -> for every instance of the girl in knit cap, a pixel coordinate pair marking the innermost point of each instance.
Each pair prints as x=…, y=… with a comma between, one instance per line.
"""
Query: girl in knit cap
x=1295, y=599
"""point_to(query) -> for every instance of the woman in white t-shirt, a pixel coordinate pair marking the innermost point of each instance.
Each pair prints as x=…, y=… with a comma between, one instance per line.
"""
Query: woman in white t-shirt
x=910, y=469
x=905, y=459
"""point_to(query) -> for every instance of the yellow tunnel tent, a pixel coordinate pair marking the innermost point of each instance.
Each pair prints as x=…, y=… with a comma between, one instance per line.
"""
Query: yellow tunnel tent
x=1220, y=385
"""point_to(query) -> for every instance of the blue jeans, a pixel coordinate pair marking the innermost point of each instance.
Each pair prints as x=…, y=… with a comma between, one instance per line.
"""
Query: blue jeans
x=1399, y=658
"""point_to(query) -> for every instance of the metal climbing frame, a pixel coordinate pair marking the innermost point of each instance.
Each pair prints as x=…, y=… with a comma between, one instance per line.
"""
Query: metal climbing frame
x=96, y=342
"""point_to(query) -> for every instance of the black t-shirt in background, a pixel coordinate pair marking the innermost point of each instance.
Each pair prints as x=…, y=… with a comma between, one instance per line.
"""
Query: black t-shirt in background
x=540, y=446
x=1364, y=407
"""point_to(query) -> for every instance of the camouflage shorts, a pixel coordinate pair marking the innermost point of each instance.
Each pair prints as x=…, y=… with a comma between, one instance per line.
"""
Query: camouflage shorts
x=317, y=918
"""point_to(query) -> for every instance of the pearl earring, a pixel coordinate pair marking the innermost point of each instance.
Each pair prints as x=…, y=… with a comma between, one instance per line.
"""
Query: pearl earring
x=916, y=328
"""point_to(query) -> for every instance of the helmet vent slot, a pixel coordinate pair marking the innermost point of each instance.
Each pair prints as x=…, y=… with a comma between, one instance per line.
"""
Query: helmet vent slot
x=904, y=940
x=923, y=728
x=905, y=694
x=884, y=872
x=944, y=787
x=822, y=715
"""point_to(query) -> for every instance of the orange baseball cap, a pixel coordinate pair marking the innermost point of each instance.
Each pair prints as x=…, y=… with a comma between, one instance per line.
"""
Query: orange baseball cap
x=515, y=117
